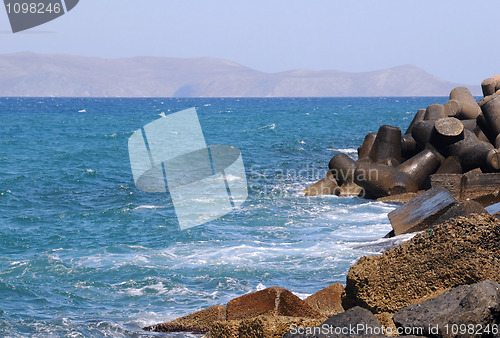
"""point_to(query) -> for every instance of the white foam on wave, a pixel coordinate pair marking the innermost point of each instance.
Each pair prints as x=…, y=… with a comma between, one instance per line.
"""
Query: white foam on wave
x=203, y=200
x=143, y=319
x=270, y=126
x=232, y=178
x=344, y=150
x=158, y=289
x=260, y=287
x=301, y=295
x=149, y=207
x=140, y=247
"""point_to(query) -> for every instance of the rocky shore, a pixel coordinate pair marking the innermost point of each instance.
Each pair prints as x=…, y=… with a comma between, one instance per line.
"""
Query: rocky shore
x=444, y=282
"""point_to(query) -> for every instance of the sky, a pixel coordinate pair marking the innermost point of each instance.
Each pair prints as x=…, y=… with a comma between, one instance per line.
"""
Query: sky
x=454, y=40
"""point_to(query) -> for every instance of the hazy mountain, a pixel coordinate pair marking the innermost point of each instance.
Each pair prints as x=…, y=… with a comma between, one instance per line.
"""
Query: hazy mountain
x=30, y=74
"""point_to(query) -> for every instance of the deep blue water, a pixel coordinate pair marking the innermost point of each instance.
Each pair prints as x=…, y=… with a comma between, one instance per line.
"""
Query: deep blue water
x=83, y=252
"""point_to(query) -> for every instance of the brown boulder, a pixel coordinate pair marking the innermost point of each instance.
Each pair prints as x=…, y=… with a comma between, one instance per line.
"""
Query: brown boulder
x=198, y=322
x=355, y=322
x=273, y=301
x=461, y=208
x=463, y=250
x=327, y=301
x=260, y=327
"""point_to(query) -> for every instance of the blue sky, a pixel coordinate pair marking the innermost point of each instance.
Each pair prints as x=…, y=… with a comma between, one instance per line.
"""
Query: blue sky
x=454, y=40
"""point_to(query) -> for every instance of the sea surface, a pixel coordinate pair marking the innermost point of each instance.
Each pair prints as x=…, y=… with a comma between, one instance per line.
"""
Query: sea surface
x=83, y=252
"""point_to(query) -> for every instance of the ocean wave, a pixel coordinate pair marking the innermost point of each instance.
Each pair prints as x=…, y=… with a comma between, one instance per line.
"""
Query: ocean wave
x=150, y=207
x=269, y=126
x=344, y=150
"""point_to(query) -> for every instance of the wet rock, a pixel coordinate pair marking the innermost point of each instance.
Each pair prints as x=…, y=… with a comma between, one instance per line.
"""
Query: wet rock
x=326, y=186
x=198, y=322
x=463, y=250
x=350, y=189
x=342, y=168
x=327, y=301
x=421, y=212
x=272, y=301
x=420, y=167
x=408, y=146
x=364, y=149
x=381, y=180
x=477, y=305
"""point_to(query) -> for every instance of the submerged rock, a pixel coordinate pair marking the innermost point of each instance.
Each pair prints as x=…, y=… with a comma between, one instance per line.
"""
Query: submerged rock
x=463, y=250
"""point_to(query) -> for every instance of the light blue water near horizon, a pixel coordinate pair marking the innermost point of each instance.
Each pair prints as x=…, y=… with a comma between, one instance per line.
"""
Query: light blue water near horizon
x=83, y=252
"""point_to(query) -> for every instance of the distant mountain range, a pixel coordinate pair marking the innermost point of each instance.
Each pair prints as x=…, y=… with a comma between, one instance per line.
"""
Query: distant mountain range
x=31, y=74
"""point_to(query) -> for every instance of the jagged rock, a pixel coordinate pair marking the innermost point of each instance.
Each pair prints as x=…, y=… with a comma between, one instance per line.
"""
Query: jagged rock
x=327, y=301
x=356, y=322
x=463, y=250
x=198, y=322
x=273, y=301
x=461, y=208
x=259, y=327
x=421, y=212
x=477, y=304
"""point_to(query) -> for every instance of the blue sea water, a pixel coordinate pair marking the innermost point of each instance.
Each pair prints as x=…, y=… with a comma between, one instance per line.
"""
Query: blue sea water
x=83, y=252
